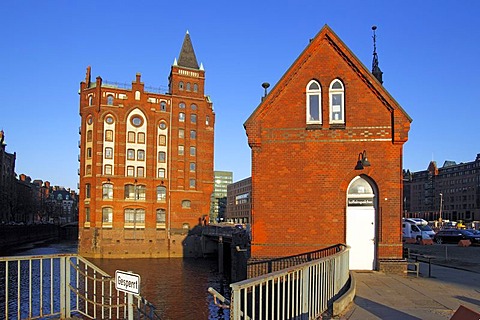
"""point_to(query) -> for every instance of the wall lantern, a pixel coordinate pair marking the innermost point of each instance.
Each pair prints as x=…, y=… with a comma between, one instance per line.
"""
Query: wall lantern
x=362, y=161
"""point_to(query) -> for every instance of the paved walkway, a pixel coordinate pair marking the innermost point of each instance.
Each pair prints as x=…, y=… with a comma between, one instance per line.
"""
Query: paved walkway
x=386, y=296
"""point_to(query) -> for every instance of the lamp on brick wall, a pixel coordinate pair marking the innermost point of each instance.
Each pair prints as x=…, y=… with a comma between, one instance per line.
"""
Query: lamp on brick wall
x=362, y=161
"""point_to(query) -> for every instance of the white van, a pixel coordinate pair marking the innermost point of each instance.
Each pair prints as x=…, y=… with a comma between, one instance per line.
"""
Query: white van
x=417, y=229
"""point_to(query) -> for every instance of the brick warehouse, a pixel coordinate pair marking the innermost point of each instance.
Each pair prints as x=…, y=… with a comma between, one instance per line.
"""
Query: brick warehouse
x=146, y=163
x=315, y=129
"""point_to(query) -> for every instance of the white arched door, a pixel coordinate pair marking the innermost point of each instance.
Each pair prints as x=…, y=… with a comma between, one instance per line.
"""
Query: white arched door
x=361, y=228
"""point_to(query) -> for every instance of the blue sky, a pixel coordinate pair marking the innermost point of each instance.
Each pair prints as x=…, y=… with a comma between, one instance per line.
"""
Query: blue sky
x=428, y=51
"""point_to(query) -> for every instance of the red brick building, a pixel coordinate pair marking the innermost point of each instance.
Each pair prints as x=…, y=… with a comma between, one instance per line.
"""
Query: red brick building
x=146, y=163
x=313, y=185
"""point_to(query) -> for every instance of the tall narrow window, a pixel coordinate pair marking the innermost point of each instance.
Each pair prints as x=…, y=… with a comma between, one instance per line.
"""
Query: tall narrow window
x=131, y=136
x=192, y=167
x=141, y=155
x=130, y=154
x=181, y=117
x=107, y=217
x=140, y=172
x=108, y=153
x=110, y=100
x=107, y=170
x=181, y=133
x=130, y=171
x=87, y=190
x=337, y=98
x=87, y=214
x=193, y=118
x=161, y=218
x=108, y=135
x=193, y=134
x=89, y=136
x=163, y=106
x=162, y=140
x=161, y=173
x=181, y=150
x=314, y=103
x=162, y=157
x=193, y=151
x=141, y=137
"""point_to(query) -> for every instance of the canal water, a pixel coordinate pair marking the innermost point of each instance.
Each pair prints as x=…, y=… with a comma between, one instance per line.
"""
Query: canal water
x=177, y=287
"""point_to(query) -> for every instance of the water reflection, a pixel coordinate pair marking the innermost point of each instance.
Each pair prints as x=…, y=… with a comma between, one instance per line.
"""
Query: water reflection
x=177, y=287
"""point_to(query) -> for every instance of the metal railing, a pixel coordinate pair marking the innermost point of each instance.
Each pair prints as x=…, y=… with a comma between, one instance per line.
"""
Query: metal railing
x=260, y=267
x=304, y=291
x=64, y=285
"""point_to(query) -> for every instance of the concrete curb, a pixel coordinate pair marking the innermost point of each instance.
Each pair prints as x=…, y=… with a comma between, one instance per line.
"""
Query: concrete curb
x=340, y=304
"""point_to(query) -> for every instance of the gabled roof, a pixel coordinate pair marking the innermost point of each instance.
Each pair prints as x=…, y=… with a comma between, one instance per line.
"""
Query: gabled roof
x=187, y=56
x=371, y=81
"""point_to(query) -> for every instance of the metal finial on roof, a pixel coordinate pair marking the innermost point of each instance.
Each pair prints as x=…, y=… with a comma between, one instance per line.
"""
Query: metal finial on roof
x=375, y=68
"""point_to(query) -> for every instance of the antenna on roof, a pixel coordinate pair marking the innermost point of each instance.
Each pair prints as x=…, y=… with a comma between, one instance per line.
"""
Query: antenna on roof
x=375, y=68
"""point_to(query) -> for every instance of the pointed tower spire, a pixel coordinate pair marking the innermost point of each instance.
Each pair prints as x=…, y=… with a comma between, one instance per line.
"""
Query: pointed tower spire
x=375, y=68
x=187, y=56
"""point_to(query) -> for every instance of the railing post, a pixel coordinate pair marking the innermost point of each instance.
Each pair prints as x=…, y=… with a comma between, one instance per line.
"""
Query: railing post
x=62, y=287
x=67, y=286
x=305, y=291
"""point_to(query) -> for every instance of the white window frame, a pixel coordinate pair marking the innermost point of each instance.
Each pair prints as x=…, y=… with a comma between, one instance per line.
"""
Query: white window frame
x=310, y=93
x=332, y=92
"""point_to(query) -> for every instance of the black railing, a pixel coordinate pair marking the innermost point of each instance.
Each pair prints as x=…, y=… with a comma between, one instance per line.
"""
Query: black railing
x=257, y=268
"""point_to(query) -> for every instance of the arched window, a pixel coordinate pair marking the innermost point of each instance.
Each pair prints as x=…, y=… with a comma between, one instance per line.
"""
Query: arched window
x=110, y=100
x=186, y=204
x=314, y=103
x=180, y=85
x=90, y=100
x=188, y=86
x=87, y=190
x=107, y=217
x=195, y=87
x=193, y=118
x=161, y=193
x=89, y=136
x=181, y=105
x=337, y=106
x=161, y=218
x=107, y=191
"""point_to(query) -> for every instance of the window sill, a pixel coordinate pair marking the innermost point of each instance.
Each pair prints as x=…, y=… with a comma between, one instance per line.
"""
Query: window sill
x=334, y=126
x=314, y=126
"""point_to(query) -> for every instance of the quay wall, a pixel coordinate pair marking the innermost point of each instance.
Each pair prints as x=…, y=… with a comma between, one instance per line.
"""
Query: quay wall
x=14, y=236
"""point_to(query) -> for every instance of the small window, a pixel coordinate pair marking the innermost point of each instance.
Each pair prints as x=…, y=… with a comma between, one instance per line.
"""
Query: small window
x=314, y=103
x=107, y=215
x=88, y=169
x=107, y=191
x=107, y=170
x=140, y=172
x=193, y=118
x=181, y=117
x=207, y=121
x=89, y=136
x=193, y=107
x=141, y=137
x=162, y=157
x=181, y=133
x=337, y=97
x=130, y=171
x=162, y=140
x=192, y=183
x=181, y=105
x=193, y=134
x=180, y=85
x=89, y=153
x=108, y=153
x=186, y=204
x=87, y=214
x=110, y=100
x=195, y=87
x=162, y=125
x=129, y=191
x=130, y=154
x=163, y=106
x=161, y=193
x=181, y=150
x=192, y=166
x=90, y=120
x=161, y=173
x=141, y=155
x=90, y=100
x=108, y=135
x=193, y=151
x=131, y=137
x=188, y=86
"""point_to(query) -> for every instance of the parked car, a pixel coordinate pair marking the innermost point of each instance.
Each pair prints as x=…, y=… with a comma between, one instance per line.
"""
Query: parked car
x=455, y=235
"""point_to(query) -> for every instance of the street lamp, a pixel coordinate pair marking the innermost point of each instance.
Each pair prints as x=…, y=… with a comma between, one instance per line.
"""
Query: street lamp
x=441, y=205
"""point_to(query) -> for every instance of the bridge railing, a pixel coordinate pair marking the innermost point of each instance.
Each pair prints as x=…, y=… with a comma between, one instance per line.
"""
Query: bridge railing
x=64, y=285
x=304, y=291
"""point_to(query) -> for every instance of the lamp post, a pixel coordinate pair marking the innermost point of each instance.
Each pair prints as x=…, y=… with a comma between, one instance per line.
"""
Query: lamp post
x=441, y=205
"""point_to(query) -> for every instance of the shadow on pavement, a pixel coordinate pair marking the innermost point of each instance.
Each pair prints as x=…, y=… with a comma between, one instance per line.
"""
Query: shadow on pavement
x=469, y=300
x=382, y=311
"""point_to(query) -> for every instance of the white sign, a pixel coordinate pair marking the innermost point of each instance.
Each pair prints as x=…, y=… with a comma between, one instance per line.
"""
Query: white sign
x=127, y=282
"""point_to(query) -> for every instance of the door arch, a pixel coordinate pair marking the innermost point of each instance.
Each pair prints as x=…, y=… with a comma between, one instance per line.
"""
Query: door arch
x=361, y=223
